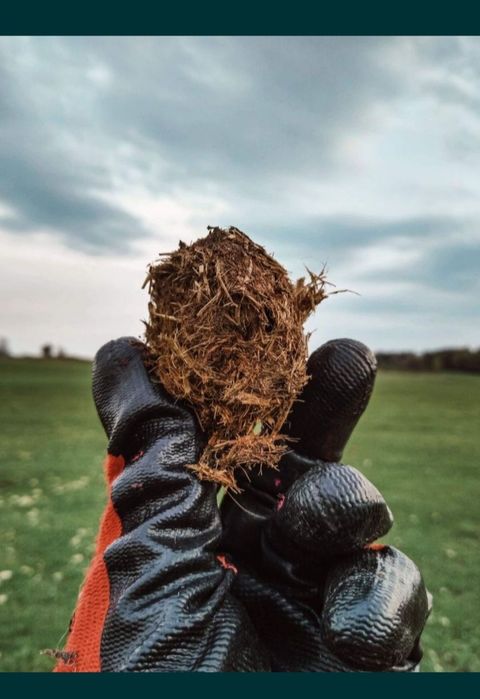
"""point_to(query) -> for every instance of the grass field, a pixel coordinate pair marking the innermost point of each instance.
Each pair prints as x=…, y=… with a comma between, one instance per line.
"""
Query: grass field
x=418, y=443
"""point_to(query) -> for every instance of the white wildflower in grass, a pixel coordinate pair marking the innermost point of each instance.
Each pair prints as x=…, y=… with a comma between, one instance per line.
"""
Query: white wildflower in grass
x=26, y=500
x=5, y=575
x=450, y=553
x=435, y=660
x=26, y=570
x=76, y=540
x=57, y=576
x=71, y=486
x=33, y=516
x=22, y=500
x=3, y=599
x=77, y=558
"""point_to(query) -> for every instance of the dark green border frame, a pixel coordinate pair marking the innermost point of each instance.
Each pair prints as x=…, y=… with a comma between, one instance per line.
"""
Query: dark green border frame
x=240, y=18
x=306, y=686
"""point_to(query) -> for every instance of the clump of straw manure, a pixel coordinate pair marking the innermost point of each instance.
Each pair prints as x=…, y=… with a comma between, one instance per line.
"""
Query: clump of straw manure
x=225, y=333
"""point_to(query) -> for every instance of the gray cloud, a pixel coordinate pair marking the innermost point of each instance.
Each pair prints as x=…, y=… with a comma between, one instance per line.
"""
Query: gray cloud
x=233, y=115
x=55, y=200
x=444, y=250
x=354, y=232
x=243, y=117
x=44, y=184
x=277, y=105
x=328, y=150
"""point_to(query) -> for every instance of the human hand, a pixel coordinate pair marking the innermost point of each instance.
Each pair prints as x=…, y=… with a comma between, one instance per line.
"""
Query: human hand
x=170, y=588
x=322, y=594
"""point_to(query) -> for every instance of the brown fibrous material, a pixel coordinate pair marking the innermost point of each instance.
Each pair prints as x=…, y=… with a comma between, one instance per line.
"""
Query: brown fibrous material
x=225, y=333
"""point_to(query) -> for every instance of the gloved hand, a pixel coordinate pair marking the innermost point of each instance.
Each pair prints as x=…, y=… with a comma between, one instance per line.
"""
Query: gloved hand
x=323, y=595
x=284, y=582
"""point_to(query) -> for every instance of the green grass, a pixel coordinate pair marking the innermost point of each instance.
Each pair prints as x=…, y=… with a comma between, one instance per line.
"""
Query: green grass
x=418, y=443
x=51, y=454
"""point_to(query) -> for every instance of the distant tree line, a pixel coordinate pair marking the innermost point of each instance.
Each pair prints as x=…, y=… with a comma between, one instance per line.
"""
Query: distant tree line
x=457, y=359
x=47, y=351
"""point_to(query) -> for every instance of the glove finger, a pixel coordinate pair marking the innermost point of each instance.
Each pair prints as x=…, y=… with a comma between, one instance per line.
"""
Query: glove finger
x=331, y=510
x=156, y=583
x=131, y=406
x=375, y=608
x=290, y=626
x=342, y=374
x=153, y=434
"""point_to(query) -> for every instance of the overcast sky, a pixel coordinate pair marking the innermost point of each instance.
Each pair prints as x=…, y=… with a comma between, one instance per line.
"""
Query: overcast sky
x=359, y=153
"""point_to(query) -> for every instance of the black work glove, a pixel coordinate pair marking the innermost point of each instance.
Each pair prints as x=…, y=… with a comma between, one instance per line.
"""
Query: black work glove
x=322, y=594
x=166, y=591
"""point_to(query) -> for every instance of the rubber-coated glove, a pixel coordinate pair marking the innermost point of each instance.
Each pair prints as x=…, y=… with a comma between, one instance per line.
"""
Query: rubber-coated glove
x=161, y=595
x=322, y=594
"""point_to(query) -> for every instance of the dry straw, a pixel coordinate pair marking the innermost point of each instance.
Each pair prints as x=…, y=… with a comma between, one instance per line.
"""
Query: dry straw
x=225, y=332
